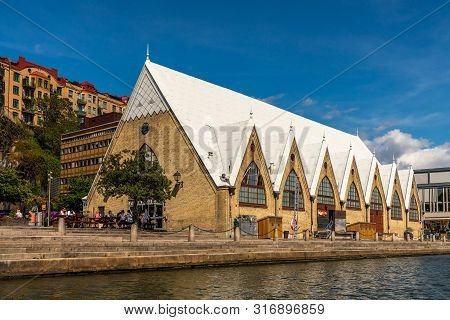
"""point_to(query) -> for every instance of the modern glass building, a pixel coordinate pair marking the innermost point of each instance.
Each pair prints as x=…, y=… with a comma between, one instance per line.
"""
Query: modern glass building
x=434, y=194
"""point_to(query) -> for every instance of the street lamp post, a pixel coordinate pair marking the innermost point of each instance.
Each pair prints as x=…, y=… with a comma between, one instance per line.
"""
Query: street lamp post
x=49, y=195
x=296, y=196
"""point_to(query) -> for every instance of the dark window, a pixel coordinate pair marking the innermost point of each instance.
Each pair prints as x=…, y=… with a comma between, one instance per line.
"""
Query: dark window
x=396, y=209
x=16, y=77
x=413, y=212
x=375, y=201
x=149, y=154
x=353, y=197
x=16, y=90
x=289, y=192
x=252, y=187
x=325, y=194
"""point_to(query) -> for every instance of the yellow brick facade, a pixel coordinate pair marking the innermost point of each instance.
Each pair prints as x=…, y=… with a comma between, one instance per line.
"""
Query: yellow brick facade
x=197, y=202
x=326, y=171
x=294, y=162
x=354, y=215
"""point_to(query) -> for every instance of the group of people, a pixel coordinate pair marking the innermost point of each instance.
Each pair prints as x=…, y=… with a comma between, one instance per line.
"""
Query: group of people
x=123, y=219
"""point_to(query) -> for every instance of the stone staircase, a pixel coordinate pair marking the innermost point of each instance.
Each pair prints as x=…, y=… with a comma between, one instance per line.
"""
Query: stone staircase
x=31, y=251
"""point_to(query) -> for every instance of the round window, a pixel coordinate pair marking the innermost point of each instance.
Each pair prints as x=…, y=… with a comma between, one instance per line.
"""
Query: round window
x=145, y=128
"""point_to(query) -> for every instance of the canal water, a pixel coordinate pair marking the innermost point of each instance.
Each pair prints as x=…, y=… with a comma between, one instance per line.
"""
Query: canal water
x=426, y=277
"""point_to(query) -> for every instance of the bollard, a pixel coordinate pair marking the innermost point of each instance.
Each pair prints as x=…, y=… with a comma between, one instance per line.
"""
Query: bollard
x=393, y=238
x=376, y=236
x=39, y=219
x=61, y=227
x=306, y=236
x=357, y=236
x=275, y=234
x=433, y=238
x=421, y=238
x=333, y=236
x=444, y=239
x=408, y=237
x=191, y=237
x=134, y=233
x=237, y=234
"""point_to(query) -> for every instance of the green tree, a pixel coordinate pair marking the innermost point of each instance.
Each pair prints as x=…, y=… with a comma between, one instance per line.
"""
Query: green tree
x=78, y=187
x=132, y=174
x=13, y=189
x=34, y=162
x=58, y=118
x=9, y=133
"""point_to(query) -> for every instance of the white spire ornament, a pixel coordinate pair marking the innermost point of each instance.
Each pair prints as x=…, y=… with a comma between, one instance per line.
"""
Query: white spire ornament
x=148, y=53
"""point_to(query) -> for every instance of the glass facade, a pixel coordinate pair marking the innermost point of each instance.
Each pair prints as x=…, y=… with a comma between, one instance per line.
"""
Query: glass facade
x=252, y=187
x=435, y=199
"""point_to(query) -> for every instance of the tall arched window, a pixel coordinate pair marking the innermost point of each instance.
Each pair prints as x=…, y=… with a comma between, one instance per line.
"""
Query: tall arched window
x=396, y=208
x=289, y=191
x=252, y=187
x=353, y=197
x=149, y=154
x=413, y=211
x=376, y=203
x=325, y=194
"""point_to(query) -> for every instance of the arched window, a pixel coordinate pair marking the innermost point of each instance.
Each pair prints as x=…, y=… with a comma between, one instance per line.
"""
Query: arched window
x=375, y=201
x=413, y=212
x=252, y=187
x=353, y=197
x=325, y=194
x=396, y=208
x=149, y=154
x=289, y=192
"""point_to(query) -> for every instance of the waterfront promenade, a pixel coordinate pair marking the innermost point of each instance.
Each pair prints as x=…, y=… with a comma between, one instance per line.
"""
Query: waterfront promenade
x=31, y=251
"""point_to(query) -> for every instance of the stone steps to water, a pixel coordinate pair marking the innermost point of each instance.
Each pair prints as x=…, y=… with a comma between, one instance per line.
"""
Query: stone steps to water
x=28, y=251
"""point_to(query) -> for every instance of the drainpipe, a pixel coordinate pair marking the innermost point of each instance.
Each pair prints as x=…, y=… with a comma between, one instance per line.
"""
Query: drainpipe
x=276, y=195
x=231, y=192
x=388, y=218
x=311, y=198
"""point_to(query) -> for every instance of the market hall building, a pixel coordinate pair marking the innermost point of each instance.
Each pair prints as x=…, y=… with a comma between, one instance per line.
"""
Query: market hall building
x=230, y=155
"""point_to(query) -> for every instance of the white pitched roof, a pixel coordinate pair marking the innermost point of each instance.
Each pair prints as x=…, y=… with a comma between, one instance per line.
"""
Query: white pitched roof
x=387, y=173
x=217, y=120
x=342, y=164
x=406, y=181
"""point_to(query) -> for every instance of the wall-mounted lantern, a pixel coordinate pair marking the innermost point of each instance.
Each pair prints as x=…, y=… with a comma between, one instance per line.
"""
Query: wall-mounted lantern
x=177, y=177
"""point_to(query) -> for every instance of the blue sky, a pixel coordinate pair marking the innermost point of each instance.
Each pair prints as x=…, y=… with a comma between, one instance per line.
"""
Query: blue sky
x=273, y=50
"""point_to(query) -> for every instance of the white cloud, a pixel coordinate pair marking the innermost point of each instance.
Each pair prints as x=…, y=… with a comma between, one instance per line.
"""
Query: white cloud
x=408, y=150
x=308, y=102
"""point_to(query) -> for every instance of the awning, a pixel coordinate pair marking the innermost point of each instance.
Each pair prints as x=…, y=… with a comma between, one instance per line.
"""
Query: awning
x=436, y=216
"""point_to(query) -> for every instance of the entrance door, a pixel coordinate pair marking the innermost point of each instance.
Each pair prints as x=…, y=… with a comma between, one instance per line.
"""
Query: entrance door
x=156, y=213
x=376, y=216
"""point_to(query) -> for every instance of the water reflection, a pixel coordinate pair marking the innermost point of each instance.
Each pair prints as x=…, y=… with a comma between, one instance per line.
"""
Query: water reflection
x=394, y=278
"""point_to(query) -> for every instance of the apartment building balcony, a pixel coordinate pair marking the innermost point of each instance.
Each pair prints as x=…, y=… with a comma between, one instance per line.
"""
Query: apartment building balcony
x=81, y=112
x=29, y=109
x=28, y=84
x=27, y=96
x=81, y=102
